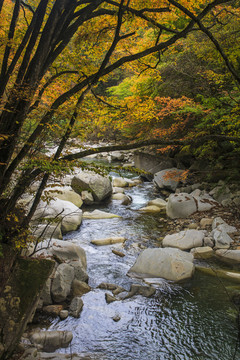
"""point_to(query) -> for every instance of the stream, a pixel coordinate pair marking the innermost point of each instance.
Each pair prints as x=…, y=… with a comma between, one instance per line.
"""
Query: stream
x=189, y=321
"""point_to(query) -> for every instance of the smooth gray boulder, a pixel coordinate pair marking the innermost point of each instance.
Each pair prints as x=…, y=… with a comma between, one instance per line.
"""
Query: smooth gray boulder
x=152, y=163
x=125, y=199
x=63, y=314
x=168, y=263
x=46, y=231
x=64, y=193
x=76, y=307
x=65, y=251
x=117, y=190
x=180, y=205
x=230, y=256
x=51, y=340
x=143, y=290
x=87, y=197
x=162, y=204
x=151, y=208
x=168, y=178
x=202, y=252
x=100, y=186
x=80, y=272
x=221, y=225
x=79, y=288
x=221, y=238
x=116, y=156
x=184, y=240
x=60, y=211
x=118, y=196
x=120, y=182
x=205, y=202
x=73, y=255
x=62, y=282
x=46, y=293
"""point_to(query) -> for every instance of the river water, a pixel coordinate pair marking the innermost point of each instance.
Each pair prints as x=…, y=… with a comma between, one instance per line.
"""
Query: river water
x=189, y=321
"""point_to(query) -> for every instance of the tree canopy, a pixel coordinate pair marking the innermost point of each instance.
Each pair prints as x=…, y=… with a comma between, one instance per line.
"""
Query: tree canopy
x=74, y=66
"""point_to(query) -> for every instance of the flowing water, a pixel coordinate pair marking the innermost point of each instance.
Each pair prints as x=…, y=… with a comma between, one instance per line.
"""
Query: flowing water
x=190, y=321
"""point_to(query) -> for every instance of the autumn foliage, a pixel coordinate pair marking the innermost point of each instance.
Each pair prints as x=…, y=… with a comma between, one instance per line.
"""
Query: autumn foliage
x=164, y=71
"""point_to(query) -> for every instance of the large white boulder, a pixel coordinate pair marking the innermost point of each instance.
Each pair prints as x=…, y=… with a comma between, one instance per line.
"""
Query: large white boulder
x=65, y=252
x=184, y=240
x=168, y=178
x=64, y=193
x=46, y=231
x=100, y=186
x=64, y=212
x=168, y=263
x=73, y=255
x=180, y=205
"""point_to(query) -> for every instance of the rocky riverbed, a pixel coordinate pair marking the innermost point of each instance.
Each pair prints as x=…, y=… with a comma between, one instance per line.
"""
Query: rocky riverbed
x=128, y=254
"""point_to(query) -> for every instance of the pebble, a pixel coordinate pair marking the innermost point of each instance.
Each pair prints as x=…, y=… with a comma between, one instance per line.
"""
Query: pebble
x=118, y=290
x=118, y=253
x=53, y=309
x=193, y=226
x=63, y=314
x=109, y=298
x=116, y=318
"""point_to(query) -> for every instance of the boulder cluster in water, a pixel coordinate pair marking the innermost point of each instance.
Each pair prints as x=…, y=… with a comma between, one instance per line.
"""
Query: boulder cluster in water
x=174, y=260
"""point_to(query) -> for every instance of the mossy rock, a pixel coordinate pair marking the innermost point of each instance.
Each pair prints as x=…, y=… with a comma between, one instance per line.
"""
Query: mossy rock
x=19, y=299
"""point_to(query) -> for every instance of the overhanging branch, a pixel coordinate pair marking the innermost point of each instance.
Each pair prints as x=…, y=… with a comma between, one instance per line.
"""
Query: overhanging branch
x=139, y=144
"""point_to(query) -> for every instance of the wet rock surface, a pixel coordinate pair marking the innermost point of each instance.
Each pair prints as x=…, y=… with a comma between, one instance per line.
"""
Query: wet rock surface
x=176, y=266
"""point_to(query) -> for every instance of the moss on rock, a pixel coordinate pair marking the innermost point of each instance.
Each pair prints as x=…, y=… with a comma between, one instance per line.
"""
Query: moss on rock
x=19, y=298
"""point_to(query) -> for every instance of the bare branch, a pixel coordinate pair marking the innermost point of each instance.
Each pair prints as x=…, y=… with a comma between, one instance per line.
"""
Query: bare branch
x=27, y=6
x=139, y=144
x=47, y=84
x=140, y=13
x=105, y=102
